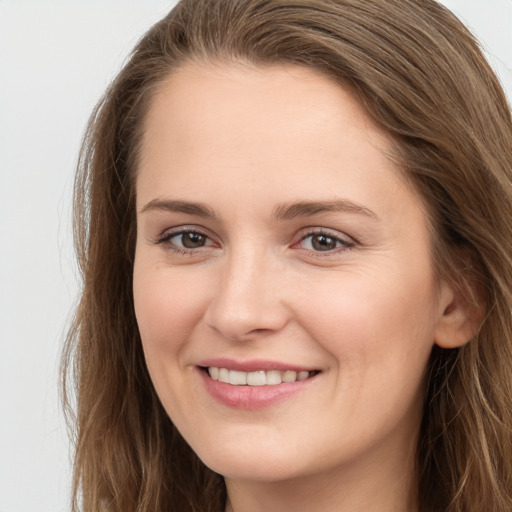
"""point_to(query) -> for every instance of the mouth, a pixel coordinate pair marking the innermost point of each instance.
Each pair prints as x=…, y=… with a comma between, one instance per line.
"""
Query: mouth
x=255, y=384
x=257, y=378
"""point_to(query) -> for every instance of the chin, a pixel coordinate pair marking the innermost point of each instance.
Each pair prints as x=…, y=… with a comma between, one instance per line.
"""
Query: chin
x=255, y=471
x=254, y=462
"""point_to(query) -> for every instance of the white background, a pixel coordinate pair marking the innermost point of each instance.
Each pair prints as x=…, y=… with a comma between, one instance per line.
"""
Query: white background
x=56, y=58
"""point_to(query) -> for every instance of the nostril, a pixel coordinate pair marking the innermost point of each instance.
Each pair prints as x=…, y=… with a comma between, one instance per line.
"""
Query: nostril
x=243, y=308
x=239, y=330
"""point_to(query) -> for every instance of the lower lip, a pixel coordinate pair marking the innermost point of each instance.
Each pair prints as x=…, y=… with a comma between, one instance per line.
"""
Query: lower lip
x=252, y=397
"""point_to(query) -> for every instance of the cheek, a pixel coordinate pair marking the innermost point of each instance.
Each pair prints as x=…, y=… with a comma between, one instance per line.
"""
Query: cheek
x=379, y=338
x=374, y=325
x=167, y=309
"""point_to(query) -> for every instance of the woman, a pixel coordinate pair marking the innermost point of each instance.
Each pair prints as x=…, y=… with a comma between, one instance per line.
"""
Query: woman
x=294, y=226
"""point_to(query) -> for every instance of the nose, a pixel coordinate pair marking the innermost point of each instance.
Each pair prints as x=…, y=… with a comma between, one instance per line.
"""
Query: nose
x=249, y=300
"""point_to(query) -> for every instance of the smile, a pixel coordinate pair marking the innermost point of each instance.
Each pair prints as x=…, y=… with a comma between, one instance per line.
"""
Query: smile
x=255, y=384
x=257, y=378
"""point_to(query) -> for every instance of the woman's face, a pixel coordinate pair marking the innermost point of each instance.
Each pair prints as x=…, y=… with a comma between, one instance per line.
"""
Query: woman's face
x=277, y=243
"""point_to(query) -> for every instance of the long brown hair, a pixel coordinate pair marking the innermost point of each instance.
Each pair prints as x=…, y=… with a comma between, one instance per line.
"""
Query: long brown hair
x=420, y=74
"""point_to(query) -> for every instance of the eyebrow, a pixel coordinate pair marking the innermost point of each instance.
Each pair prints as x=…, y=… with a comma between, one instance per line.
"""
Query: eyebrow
x=199, y=209
x=284, y=211
x=290, y=211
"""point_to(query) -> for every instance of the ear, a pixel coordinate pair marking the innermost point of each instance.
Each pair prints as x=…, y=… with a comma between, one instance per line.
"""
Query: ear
x=461, y=314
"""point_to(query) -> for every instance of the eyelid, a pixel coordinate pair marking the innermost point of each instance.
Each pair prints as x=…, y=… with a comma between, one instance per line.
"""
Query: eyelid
x=169, y=233
x=346, y=241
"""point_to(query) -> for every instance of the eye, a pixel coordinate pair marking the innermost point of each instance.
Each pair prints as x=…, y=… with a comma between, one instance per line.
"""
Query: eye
x=185, y=240
x=323, y=242
x=190, y=240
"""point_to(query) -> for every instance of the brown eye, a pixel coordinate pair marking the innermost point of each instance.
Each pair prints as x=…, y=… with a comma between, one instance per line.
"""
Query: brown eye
x=324, y=242
x=192, y=240
x=185, y=240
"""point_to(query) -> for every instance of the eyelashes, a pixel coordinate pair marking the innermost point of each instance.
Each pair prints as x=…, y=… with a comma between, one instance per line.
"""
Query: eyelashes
x=316, y=241
x=185, y=241
x=325, y=242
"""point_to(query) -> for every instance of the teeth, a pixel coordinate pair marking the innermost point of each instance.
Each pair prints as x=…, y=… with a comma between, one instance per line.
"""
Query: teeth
x=223, y=375
x=274, y=377
x=259, y=378
x=256, y=378
x=289, y=376
x=237, y=378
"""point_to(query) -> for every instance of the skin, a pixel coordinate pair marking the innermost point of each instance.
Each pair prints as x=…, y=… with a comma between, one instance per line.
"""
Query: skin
x=244, y=141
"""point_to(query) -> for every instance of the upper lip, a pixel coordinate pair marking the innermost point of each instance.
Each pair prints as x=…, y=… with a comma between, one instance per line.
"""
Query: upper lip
x=253, y=365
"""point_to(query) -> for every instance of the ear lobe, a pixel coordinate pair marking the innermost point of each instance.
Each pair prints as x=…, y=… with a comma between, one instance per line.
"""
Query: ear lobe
x=462, y=313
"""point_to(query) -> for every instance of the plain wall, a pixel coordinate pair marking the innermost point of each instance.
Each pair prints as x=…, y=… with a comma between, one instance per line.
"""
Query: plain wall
x=56, y=58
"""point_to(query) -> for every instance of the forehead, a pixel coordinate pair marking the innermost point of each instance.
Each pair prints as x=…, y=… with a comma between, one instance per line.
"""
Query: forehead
x=270, y=135
x=242, y=103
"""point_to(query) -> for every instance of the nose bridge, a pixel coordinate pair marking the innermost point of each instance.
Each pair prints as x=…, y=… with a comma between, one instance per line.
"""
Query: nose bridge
x=248, y=299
